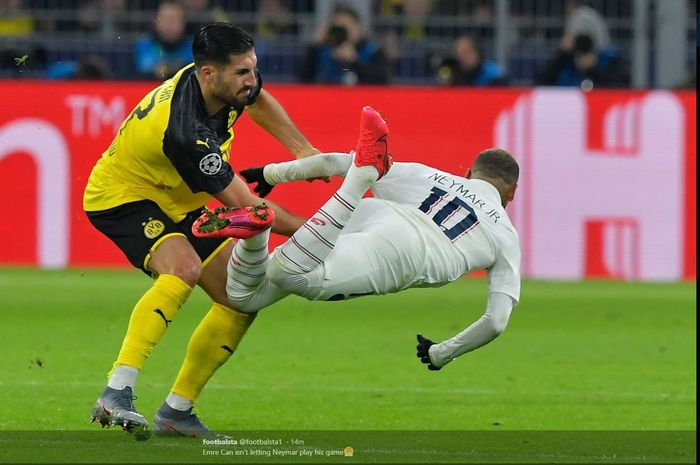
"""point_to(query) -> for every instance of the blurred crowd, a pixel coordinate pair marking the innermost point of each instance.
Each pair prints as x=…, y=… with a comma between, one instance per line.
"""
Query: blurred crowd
x=441, y=42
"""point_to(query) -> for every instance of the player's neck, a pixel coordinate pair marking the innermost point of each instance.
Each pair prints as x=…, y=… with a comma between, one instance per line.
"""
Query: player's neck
x=212, y=103
x=497, y=183
x=213, y=108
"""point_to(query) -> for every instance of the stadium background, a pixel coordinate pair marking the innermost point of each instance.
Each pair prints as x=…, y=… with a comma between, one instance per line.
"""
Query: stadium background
x=608, y=191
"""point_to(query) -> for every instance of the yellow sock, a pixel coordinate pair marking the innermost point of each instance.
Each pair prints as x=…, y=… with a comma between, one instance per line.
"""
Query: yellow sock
x=150, y=318
x=212, y=343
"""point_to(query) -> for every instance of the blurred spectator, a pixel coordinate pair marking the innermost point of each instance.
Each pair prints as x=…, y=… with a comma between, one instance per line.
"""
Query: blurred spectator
x=169, y=48
x=387, y=7
x=89, y=68
x=202, y=12
x=113, y=21
x=273, y=20
x=15, y=21
x=92, y=68
x=391, y=46
x=479, y=13
x=340, y=54
x=88, y=18
x=579, y=63
x=468, y=67
x=106, y=17
x=582, y=19
x=415, y=13
x=408, y=18
x=403, y=34
x=484, y=19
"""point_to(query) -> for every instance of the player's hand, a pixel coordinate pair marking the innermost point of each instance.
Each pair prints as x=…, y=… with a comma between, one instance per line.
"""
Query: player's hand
x=255, y=175
x=422, y=352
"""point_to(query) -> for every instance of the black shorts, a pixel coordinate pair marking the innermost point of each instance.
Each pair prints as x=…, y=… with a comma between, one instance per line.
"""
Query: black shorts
x=137, y=228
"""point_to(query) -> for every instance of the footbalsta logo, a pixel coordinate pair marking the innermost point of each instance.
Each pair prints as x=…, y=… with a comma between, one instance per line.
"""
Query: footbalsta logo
x=153, y=228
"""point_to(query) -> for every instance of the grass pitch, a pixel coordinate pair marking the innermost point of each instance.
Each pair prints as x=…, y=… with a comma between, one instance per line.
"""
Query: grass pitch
x=585, y=372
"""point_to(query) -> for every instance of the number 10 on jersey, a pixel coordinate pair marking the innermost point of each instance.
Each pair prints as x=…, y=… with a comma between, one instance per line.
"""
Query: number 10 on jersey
x=455, y=206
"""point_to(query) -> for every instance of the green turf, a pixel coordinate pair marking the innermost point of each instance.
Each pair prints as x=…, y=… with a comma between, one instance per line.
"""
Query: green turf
x=593, y=356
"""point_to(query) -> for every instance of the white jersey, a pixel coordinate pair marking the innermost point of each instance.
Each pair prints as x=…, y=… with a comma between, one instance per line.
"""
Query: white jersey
x=462, y=224
x=425, y=227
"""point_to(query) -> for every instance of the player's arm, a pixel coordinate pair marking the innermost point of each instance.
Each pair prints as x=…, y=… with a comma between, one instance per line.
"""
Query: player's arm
x=320, y=166
x=323, y=165
x=487, y=328
x=237, y=194
x=201, y=165
x=504, y=293
x=269, y=114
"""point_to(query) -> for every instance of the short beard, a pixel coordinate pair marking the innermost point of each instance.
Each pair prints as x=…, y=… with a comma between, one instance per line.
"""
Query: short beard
x=233, y=101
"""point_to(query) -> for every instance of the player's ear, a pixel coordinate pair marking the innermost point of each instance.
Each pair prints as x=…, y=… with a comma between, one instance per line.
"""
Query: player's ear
x=206, y=72
x=468, y=175
x=510, y=195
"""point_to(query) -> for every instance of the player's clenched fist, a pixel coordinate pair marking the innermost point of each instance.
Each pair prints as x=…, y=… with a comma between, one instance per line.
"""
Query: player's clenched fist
x=422, y=352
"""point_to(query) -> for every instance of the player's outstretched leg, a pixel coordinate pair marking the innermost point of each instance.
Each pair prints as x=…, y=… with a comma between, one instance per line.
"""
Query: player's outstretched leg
x=312, y=243
x=115, y=407
x=240, y=223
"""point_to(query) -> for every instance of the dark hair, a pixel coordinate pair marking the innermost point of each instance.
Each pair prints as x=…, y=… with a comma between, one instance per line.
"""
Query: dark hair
x=216, y=42
x=497, y=163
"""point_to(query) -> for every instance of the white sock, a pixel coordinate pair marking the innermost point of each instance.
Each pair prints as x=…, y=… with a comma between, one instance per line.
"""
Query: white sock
x=312, y=243
x=246, y=267
x=178, y=402
x=245, y=274
x=357, y=180
x=123, y=376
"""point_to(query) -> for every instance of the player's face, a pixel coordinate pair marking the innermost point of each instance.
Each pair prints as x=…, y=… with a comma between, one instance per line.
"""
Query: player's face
x=234, y=82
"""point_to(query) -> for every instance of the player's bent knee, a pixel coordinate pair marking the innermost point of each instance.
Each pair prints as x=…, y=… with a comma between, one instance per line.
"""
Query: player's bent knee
x=305, y=284
x=189, y=271
x=281, y=278
x=289, y=283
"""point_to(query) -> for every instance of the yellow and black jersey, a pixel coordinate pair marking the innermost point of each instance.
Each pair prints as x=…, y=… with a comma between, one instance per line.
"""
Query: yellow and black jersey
x=168, y=150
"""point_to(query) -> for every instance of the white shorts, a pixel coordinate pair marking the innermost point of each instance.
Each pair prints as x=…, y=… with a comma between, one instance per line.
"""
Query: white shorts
x=378, y=252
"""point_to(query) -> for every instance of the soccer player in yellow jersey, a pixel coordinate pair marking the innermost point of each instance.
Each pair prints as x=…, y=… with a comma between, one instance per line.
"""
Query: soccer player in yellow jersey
x=169, y=158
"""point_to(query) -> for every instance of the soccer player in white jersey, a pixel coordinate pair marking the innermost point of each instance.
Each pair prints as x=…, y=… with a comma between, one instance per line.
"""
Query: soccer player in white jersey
x=423, y=228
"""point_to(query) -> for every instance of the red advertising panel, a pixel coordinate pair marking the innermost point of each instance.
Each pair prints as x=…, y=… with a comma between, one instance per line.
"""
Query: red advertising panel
x=608, y=177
